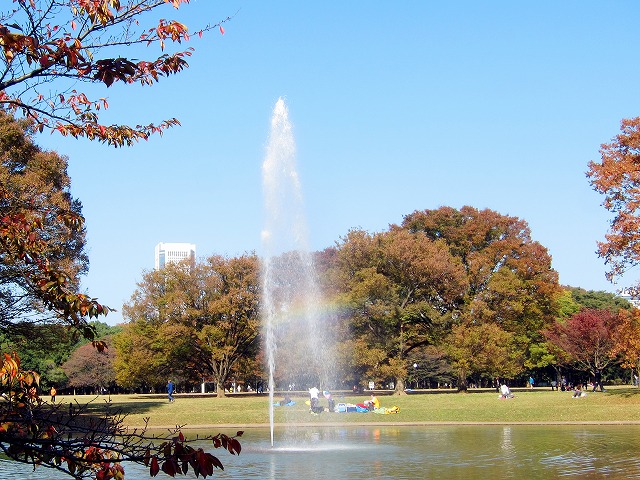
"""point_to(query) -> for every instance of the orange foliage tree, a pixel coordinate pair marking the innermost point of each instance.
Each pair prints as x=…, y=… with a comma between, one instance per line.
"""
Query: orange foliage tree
x=617, y=177
x=41, y=236
x=627, y=344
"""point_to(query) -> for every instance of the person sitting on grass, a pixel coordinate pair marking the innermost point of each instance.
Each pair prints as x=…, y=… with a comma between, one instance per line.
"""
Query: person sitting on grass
x=577, y=391
x=373, y=403
x=505, y=392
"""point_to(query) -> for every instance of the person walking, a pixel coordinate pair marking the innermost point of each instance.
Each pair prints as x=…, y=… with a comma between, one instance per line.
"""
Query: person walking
x=598, y=381
x=53, y=393
x=170, y=389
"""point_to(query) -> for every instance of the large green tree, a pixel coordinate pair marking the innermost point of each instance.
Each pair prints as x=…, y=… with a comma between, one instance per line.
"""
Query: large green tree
x=194, y=320
x=597, y=300
x=42, y=348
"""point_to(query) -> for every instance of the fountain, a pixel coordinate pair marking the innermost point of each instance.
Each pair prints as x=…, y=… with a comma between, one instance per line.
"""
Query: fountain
x=297, y=345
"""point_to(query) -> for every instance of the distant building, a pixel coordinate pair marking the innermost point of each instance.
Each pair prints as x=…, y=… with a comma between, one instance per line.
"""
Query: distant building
x=173, y=253
x=628, y=294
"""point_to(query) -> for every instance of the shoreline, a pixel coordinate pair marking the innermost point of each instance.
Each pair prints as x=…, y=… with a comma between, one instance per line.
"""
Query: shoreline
x=383, y=424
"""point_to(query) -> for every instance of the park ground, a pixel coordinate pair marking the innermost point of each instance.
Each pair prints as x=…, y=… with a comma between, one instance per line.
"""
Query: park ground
x=617, y=405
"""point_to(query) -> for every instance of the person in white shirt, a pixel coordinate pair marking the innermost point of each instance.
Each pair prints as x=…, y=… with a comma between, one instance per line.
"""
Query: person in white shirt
x=314, y=393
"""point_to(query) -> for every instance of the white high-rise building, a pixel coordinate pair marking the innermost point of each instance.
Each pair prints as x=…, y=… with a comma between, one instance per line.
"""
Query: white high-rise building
x=173, y=253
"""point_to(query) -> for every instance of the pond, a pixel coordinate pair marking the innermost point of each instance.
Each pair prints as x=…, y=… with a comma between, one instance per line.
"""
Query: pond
x=466, y=452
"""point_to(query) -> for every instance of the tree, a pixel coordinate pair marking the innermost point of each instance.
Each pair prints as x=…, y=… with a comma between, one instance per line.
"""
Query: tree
x=89, y=367
x=48, y=48
x=431, y=368
x=570, y=302
x=627, y=344
x=509, y=277
x=588, y=337
x=483, y=350
x=617, y=177
x=401, y=290
x=41, y=236
x=196, y=321
x=42, y=348
x=598, y=300
x=70, y=43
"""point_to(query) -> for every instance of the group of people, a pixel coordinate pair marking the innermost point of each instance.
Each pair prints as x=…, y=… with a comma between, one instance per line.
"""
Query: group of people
x=314, y=401
x=578, y=391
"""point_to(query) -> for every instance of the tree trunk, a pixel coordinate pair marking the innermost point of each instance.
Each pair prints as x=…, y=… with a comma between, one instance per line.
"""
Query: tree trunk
x=462, y=380
x=399, y=390
x=220, y=390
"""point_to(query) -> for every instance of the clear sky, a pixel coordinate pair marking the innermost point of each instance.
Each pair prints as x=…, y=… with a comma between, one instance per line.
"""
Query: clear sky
x=396, y=106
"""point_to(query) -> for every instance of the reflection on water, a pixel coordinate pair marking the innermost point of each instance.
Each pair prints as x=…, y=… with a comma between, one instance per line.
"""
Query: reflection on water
x=465, y=452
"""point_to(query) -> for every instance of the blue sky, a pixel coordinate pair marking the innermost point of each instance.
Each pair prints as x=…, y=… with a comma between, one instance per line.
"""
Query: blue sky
x=395, y=106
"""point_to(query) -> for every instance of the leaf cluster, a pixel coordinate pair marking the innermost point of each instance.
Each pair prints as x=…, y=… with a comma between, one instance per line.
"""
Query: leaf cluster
x=617, y=177
x=69, y=42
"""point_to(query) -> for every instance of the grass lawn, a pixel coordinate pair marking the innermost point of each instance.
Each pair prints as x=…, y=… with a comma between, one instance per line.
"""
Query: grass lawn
x=621, y=404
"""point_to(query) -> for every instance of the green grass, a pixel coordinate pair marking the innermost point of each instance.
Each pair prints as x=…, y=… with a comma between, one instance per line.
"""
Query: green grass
x=615, y=405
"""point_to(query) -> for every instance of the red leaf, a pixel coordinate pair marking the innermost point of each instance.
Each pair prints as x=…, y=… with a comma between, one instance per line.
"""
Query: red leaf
x=155, y=468
x=221, y=30
x=234, y=446
x=170, y=467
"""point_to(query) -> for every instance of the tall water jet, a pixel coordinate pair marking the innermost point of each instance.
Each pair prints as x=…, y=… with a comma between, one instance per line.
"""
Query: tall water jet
x=297, y=345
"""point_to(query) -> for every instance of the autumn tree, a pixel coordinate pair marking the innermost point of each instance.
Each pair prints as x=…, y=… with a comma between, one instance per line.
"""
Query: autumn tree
x=51, y=47
x=627, y=345
x=617, y=177
x=484, y=351
x=197, y=321
x=588, y=337
x=42, y=236
x=401, y=290
x=571, y=301
x=508, y=276
x=89, y=367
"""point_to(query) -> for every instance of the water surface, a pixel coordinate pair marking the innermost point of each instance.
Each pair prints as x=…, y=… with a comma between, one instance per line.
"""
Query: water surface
x=465, y=452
